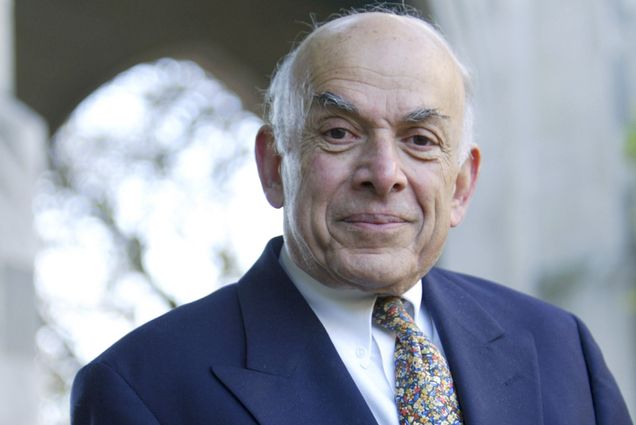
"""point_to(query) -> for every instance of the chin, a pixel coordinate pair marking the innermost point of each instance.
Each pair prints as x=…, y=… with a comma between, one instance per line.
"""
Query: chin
x=378, y=277
x=381, y=288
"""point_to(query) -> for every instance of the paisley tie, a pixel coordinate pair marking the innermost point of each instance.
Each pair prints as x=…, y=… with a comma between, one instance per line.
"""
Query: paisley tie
x=424, y=391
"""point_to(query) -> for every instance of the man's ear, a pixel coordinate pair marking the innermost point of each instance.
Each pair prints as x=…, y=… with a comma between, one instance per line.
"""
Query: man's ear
x=465, y=185
x=268, y=162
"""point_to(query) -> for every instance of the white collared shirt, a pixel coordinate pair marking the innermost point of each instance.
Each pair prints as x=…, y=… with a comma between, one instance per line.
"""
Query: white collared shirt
x=365, y=349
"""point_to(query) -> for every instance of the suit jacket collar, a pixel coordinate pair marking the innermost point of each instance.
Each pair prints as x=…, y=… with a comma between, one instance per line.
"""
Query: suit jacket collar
x=292, y=374
x=495, y=371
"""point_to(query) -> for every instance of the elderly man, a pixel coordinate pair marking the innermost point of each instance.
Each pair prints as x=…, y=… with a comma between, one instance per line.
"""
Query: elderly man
x=345, y=320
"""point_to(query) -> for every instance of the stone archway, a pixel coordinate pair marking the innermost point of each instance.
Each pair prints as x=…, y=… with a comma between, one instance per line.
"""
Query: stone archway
x=66, y=49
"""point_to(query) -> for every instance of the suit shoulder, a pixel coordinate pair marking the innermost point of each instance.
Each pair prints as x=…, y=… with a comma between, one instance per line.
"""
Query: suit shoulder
x=496, y=297
x=163, y=368
x=195, y=327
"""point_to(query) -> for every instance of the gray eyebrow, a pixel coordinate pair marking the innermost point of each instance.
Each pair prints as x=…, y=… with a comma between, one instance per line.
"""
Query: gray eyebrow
x=419, y=115
x=328, y=99
x=331, y=100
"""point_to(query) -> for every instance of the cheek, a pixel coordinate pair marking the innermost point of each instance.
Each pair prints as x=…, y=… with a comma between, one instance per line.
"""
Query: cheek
x=310, y=188
x=446, y=178
x=324, y=190
x=431, y=183
x=324, y=175
x=433, y=189
x=447, y=171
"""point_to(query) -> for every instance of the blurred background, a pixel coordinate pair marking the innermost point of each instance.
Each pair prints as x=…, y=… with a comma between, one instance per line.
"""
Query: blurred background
x=128, y=187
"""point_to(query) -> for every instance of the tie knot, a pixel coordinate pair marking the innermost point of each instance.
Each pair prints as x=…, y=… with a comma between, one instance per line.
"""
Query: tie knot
x=390, y=313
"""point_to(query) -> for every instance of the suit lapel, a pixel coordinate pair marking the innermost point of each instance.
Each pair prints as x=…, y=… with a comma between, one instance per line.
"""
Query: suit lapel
x=495, y=371
x=293, y=373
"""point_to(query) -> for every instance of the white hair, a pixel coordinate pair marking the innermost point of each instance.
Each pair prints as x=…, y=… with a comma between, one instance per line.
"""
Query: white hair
x=289, y=95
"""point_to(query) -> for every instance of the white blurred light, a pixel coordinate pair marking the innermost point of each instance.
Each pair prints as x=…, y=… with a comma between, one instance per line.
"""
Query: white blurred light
x=178, y=209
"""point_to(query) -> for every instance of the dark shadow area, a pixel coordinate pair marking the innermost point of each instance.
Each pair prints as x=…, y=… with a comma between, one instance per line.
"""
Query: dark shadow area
x=65, y=49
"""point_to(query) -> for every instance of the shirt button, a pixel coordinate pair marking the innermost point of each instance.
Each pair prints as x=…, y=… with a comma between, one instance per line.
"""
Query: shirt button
x=361, y=352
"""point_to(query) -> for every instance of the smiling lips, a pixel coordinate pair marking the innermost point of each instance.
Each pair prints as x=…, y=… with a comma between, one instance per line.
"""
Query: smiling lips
x=374, y=219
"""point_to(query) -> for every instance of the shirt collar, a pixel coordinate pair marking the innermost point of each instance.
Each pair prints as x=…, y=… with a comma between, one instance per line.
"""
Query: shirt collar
x=324, y=299
x=337, y=306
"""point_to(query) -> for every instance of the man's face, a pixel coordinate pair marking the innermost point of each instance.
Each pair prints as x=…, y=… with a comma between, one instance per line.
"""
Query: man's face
x=374, y=186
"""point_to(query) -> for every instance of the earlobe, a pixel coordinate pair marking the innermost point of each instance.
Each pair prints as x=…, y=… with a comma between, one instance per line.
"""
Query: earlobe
x=268, y=162
x=465, y=185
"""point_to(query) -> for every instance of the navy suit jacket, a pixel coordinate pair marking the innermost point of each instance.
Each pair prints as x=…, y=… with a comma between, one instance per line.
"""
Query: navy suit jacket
x=255, y=353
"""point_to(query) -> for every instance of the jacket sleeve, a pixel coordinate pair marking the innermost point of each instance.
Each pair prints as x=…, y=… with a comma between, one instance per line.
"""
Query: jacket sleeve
x=100, y=396
x=609, y=406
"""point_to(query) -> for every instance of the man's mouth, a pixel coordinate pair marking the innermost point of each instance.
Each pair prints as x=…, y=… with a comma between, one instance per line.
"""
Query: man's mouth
x=374, y=219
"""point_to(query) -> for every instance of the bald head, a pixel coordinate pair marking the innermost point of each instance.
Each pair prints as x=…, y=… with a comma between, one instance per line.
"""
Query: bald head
x=379, y=42
x=362, y=35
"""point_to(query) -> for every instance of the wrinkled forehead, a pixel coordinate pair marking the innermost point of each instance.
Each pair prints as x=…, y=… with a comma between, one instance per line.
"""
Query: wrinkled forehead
x=380, y=44
x=396, y=54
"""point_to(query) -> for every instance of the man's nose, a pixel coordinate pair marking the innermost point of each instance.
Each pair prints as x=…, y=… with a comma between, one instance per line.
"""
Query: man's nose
x=379, y=167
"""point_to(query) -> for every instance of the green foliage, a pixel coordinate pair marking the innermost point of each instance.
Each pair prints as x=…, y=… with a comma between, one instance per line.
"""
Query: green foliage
x=630, y=145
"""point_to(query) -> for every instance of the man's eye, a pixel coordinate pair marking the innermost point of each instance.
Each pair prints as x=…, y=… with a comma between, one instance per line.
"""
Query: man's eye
x=419, y=140
x=336, y=133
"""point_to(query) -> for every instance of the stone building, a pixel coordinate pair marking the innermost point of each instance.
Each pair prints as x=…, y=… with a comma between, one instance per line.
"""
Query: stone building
x=22, y=143
x=555, y=211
